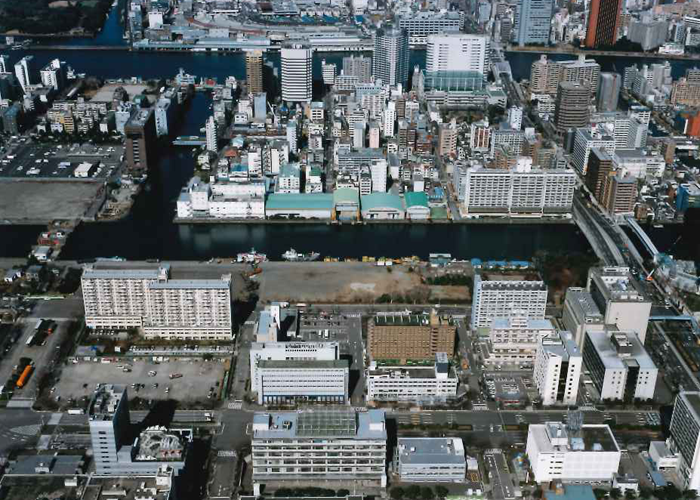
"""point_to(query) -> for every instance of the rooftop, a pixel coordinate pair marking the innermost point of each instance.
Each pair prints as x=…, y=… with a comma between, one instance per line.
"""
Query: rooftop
x=310, y=201
x=89, y=272
x=571, y=492
x=431, y=451
x=320, y=423
x=105, y=402
x=160, y=444
x=303, y=363
x=582, y=302
x=222, y=284
x=381, y=200
x=557, y=437
x=612, y=357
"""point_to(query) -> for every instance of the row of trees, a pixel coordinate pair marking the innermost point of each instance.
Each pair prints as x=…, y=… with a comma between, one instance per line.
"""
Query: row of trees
x=415, y=492
x=36, y=17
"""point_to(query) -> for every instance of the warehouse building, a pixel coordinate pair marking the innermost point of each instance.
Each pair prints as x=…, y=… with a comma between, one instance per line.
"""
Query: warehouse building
x=382, y=206
x=301, y=206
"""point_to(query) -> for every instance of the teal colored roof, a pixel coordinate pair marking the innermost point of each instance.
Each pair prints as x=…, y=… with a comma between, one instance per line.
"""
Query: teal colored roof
x=572, y=492
x=346, y=195
x=381, y=200
x=416, y=199
x=308, y=201
x=290, y=170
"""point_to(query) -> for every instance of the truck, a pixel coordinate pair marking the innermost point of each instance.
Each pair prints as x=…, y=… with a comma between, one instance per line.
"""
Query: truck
x=24, y=378
x=76, y=411
x=30, y=340
x=175, y=375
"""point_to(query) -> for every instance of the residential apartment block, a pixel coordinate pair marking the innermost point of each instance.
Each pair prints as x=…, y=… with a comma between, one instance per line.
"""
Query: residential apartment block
x=407, y=336
x=163, y=307
x=319, y=445
x=684, y=439
x=514, y=339
x=494, y=298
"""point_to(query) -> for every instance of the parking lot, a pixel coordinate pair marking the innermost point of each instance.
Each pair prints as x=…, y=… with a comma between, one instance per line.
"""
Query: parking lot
x=55, y=161
x=198, y=379
x=508, y=388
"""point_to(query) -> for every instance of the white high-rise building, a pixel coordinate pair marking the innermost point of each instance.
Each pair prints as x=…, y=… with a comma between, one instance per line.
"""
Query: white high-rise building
x=329, y=72
x=557, y=370
x=379, y=170
x=53, y=75
x=497, y=298
x=619, y=366
x=358, y=135
x=296, y=73
x=515, y=117
x=458, y=52
x=374, y=134
x=514, y=339
x=4, y=63
x=684, y=439
x=292, y=136
x=24, y=71
x=212, y=133
x=390, y=119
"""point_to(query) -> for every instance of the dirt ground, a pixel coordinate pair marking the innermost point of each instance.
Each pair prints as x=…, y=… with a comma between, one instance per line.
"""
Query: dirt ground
x=40, y=202
x=341, y=282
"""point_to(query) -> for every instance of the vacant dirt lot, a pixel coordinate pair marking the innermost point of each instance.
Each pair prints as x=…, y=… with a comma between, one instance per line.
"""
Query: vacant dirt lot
x=38, y=202
x=340, y=282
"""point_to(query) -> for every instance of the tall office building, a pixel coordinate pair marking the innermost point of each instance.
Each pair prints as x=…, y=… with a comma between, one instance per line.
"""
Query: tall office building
x=53, y=75
x=25, y=71
x=557, y=370
x=684, y=439
x=296, y=73
x=458, y=52
x=140, y=132
x=390, y=60
x=608, y=91
x=254, y=71
x=498, y=298
x=447, y=138
x=358, y=66
x=329, y=71
x=533, y=20
x=603, y=23
x=212, y=133
x=572, y=106
x=109, y=425
x=4, y=63
x=600, y=166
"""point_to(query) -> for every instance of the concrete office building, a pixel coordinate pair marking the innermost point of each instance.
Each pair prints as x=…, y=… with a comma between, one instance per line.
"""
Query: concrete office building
x=619, y=366
x=390, y=59
x=435, y=460
x=533, y=21
x=254, y=71
x=435, y=384
x=581, y=312
x=603, y=23
x=140, y=131
x=408, y=336
x=319, y=446
x=684, y=438
x=620, y=194
x=447, y=138
x=648, y=32
x=584, y=142
x=114, y=455
x=494, y=298
x=288, y=351
x=620, y=298
x=600, y=167
x=458, y=52
x=608, y=91
x=514, y=339
x=557, y=370
x=572, y=107
x=282, y=382
x=421, y=24
x=296, y=73
x=358, y=66
x=161, y=307
x=586, y=455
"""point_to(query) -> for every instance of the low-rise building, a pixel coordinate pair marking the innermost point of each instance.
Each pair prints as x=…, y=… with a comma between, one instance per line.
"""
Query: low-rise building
x=288, y=381
x=433, y=384
x=559, y=453
x=514, y=339
x=417, y=207
x=581, y=312
x=319, y=446
x=382, y=206
x=430, y=460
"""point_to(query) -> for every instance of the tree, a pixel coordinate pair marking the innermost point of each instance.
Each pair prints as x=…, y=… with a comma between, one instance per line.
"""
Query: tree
x=426, y=493
x=537, y=493
x=441, y=491
x=645, y=492
x=412, y=492
x=615, y=493
x=396, y=493
x=672, y=492
x=690, y=494
x=630, y=495
x=599, y=493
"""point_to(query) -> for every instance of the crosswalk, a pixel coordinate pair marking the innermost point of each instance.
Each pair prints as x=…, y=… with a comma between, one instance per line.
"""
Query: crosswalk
x=235, y=405
x=226, y=453
x=26, y=430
